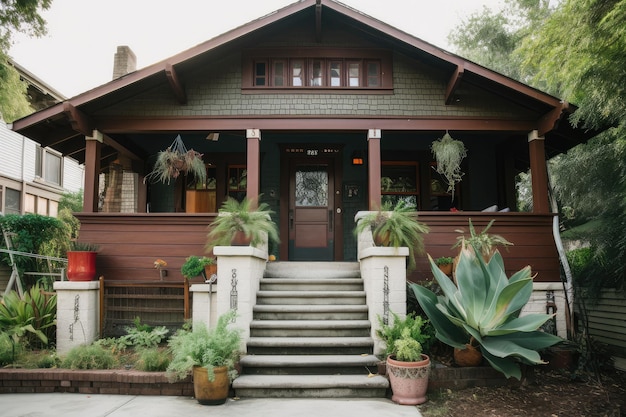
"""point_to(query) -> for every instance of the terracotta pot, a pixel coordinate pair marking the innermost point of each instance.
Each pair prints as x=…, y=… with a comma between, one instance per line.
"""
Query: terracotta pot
x=382, y=239
x=210, y=392
x=240, y=239
x=209, y=271
x=409, y=380
x=470, y=356
x=446, y=269
x=81, y=265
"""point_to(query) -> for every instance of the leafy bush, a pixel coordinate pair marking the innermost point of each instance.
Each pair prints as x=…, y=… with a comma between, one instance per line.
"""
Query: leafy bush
x=218, y=346
x=30, y=319
x=9, y=350
x=407, y=349
x=92, y=356
x=38, y=234
x=418, y=329
x=153, y=360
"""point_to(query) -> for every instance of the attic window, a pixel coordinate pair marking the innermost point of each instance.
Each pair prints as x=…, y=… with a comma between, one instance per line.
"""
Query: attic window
x=313, y=70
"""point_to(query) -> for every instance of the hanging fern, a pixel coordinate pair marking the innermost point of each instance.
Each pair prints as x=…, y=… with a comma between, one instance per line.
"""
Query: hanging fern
x=449, y=154
x=176, y=159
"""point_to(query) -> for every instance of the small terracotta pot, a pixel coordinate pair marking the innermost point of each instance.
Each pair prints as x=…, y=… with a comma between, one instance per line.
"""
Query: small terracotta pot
x=446, y=269
x=240, y=239
x=470, y=356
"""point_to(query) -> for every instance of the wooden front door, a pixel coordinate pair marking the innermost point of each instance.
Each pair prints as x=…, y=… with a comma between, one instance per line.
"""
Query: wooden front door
x=311, y=209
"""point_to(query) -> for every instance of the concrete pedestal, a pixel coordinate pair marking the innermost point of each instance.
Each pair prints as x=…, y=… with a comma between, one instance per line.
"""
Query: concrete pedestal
x=78, y=314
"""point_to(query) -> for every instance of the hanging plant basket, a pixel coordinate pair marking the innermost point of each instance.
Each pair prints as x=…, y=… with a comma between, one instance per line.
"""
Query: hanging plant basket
x=177, y=160
x=449, y=153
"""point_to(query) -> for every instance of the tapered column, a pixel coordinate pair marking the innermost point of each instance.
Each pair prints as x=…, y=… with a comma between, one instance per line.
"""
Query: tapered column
x=93, y=145
x=253, y=166
x=373, y=168
x=538, y=172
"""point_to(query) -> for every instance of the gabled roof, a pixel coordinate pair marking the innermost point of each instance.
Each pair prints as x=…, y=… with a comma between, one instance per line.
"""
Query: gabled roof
x=64, y=125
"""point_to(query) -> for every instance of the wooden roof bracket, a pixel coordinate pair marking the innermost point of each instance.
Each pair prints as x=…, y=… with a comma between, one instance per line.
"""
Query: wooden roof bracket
x=175, y=84
x=79, y=121
x=454, y=83
x=551, y=120
x=318, y=21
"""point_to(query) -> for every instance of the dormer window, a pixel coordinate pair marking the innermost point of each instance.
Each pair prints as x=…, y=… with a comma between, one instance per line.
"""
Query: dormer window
x=313, y=69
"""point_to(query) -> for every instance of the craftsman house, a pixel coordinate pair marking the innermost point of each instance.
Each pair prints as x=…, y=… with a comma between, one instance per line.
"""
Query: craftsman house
x=315, y=93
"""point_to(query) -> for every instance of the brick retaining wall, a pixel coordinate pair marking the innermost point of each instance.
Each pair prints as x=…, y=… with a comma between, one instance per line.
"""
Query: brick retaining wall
x=155, y=383
x=91, y=382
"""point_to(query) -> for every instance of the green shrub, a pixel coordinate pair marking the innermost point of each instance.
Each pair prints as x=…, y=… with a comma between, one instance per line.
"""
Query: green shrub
x=91, y=356
x=9, y=350
x=153, y=360
x=418, y=329
x=30, y=319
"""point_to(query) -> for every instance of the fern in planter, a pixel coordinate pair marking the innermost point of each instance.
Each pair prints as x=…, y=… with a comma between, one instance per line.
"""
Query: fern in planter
x=449, y=153
x=396, y=226
x=208, y=348
x=234, y=216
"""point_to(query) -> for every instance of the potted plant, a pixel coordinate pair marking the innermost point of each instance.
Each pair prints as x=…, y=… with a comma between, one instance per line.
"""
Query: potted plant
x=242, y=224
x=483, y=243
x=408, y=370
x=81, y=261
x=198, y=265
x=176, y=159
x=449, y=154
x=209, y=356
x=396, y=226
x=483, y=310
x=445, y=264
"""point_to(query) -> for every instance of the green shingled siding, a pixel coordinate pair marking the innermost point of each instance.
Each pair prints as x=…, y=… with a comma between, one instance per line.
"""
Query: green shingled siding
x=418, y=91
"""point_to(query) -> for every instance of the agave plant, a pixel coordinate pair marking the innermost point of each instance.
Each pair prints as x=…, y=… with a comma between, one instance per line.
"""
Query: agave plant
x=486, y=306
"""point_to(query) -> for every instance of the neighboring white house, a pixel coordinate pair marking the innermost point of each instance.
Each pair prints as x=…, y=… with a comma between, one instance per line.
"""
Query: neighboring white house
x=32, y=178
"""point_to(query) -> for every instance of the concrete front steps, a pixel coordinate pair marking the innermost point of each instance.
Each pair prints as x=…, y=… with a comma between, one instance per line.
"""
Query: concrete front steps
x=310, y=336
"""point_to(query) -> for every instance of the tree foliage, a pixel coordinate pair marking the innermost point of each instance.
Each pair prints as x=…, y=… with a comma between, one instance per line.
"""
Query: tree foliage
x=575, y=50
x=17, y=16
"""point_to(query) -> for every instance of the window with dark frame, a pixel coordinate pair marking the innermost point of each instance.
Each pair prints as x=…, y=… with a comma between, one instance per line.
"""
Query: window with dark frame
x=49, y=166
x=317, y=72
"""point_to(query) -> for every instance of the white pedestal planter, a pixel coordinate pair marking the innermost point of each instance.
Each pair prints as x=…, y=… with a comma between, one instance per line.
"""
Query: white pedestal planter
x=78, y=313
x=239, y=273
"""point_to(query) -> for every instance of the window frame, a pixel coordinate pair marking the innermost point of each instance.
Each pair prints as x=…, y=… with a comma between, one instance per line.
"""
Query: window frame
x=41, y=168
x=327, y=57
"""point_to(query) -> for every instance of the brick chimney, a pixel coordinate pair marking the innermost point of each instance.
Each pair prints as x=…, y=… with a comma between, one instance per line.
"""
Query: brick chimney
x=124, y=62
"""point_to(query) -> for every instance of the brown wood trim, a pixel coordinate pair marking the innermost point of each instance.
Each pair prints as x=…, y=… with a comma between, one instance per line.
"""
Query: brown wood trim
x=282, y=123
x=539, y=175
x=373, y=173
x=454, y=83
x=175, y=84
x=93, y=149
x=318, y=90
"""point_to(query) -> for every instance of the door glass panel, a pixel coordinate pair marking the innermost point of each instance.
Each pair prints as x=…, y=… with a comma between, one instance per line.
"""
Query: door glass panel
x=311, y=186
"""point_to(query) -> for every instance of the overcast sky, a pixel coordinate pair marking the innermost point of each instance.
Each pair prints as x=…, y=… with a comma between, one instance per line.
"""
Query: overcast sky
x=83, y=35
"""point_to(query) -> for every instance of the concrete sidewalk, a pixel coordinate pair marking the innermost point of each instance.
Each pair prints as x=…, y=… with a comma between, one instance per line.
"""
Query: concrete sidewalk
x=81, y=405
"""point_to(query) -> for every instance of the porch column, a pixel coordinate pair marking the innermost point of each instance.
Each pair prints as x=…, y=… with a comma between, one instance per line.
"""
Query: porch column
x=253, y=166
x=373, y=168
x=539, y=172
x=93, y=145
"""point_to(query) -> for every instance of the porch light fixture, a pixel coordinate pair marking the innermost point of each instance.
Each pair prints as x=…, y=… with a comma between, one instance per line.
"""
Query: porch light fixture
x=213, y=136
x=357, y=158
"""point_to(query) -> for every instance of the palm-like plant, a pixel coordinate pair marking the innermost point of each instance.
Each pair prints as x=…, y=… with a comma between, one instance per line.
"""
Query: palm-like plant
x=253, y=221
x=396, y=227
x=486, y=307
